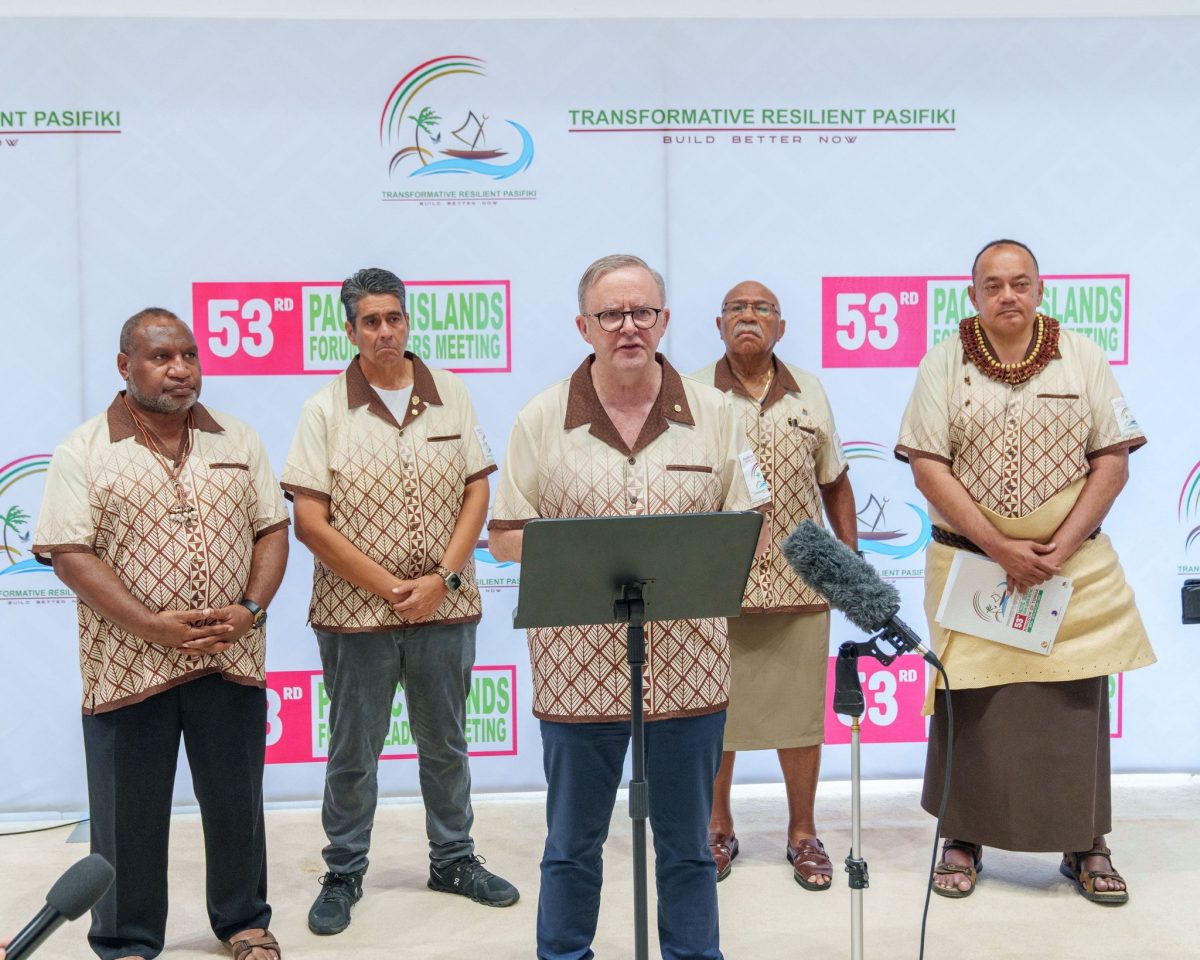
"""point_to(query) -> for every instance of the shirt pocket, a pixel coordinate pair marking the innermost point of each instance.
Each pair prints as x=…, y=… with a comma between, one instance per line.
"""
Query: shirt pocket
x=1064, y=417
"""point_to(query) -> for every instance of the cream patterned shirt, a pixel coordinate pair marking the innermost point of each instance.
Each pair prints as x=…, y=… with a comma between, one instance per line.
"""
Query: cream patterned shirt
x=794, y=437
x=1015, y=447
x=566, y=459
x=107, y=493
x=394, y=490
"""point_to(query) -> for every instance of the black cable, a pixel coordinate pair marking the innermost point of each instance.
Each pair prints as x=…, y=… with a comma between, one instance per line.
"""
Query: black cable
x=53, y=826
x=937, y=830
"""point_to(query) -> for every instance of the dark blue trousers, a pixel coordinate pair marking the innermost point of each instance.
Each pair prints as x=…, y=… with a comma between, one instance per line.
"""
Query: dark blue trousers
x=583, y=763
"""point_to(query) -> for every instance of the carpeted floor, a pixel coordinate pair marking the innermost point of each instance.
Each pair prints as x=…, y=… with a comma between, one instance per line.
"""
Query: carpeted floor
x=1022, y=908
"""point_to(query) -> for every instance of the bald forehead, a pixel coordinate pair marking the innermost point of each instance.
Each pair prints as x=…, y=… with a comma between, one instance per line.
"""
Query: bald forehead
x=157, y=328
x=751, y=290
x=1006, y=257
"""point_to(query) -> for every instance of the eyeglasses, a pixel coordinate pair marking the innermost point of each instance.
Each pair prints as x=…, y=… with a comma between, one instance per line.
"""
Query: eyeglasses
x=613, y=320
x=761, y=308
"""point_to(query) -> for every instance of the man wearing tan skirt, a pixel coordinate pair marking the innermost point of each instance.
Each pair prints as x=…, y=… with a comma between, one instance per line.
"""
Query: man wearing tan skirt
x=779, y=646
x=1019, y=437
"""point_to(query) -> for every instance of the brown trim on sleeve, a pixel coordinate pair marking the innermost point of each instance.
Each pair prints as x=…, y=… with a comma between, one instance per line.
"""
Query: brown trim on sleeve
x=229, y=466
x=828, y=486
x=291, y=489
x=1132, y=444
x=480, y=474
x=281, y=525
x=905, y=455
x=52, y=548
x=510, y=524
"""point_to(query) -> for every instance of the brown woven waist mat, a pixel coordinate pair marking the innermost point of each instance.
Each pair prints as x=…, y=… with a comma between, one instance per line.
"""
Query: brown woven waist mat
x=948, y=539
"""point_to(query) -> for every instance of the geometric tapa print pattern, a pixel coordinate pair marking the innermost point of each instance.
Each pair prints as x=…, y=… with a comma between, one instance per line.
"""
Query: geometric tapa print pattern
x=168, y=559
x=394, y=490
x=1015, y=447
x=581, y=673
x=793, y=435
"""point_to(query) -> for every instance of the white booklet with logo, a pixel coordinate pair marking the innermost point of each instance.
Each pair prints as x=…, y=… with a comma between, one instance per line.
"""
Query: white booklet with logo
x=976, y=602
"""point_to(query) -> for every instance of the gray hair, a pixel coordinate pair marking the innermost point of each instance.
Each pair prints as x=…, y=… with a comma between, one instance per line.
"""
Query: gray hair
x=1002, y=243
x=616, y=261
x=369, y=282
x=130, y=326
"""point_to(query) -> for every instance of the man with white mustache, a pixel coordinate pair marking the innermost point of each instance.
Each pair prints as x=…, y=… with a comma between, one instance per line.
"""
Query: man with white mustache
x=779, y=645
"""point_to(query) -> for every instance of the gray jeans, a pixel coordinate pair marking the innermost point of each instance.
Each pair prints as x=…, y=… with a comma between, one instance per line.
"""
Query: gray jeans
x=362, y=670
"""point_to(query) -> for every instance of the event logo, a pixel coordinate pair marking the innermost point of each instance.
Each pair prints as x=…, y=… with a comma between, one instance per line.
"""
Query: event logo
x=16, y=513
x=894, y=321
x=20, y=499
x=438, y=120
x=298, y=717
x=888, y=524
x=287, y=328
x=1188, y=513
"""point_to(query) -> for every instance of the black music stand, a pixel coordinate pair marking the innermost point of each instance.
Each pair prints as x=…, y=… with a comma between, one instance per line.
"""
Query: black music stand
x=632, y=570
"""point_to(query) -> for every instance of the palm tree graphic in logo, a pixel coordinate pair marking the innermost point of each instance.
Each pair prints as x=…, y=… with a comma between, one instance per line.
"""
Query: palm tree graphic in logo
x=425, y=120
x=14, y=519
x=469, y=151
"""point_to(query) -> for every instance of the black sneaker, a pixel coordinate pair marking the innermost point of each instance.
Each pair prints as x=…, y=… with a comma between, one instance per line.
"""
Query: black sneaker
x=330, y=912
x=470, y=878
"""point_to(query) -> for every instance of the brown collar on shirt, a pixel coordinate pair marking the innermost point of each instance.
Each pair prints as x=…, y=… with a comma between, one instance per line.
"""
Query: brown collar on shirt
x=122, y=427
x=584, y=406
x=782, y=383
x=360, y=393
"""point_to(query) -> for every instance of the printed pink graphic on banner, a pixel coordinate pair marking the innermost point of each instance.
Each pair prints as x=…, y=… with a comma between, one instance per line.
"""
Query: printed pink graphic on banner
x=289, y=328
x=894, y=695
x=298, y=717
x=894, y=321
x=872, y=321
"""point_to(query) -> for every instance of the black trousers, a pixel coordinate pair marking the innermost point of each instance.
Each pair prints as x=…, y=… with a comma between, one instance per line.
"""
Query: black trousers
x=131, y=758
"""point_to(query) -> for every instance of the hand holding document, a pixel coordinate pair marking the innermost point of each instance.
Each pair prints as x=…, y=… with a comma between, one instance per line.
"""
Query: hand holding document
x=976, y=602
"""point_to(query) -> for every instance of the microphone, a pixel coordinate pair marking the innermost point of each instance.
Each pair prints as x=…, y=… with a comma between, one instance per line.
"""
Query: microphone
x=72, y=895
x=851, y=585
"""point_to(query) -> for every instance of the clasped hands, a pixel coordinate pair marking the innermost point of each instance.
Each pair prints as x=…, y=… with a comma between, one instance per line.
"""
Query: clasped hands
x=201, y=632
x=1028, y=562
x=417, y=599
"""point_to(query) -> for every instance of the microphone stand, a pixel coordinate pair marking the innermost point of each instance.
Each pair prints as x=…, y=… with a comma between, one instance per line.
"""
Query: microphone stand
x=848, y=701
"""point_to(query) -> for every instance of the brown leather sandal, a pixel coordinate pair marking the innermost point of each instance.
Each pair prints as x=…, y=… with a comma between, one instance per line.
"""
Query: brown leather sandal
x=945, y=868
x=1085, y=880
x=244, y=947
x=809, y=859
x=724, y=849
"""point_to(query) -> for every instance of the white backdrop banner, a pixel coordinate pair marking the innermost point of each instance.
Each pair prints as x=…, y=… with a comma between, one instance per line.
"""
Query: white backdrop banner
x=235, y=172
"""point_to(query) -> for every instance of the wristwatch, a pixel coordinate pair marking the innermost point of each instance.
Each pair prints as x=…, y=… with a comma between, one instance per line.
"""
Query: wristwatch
x=257, y=614
x=452, y=580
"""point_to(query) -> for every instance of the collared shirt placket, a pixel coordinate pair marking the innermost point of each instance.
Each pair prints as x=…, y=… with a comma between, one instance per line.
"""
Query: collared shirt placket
x=1011, y=451
x=762, y=440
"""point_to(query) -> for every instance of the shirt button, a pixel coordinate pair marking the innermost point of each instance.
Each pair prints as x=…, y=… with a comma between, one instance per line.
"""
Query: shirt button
x=678, y=408
x=632, y=461
x=633, y=498
x=415, y=400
